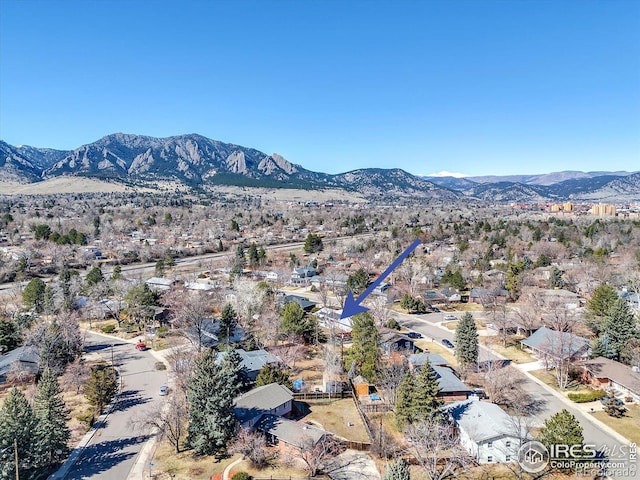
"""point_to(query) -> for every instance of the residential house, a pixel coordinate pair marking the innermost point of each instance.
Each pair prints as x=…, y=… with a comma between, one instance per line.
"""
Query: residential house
x=632, y=299
x=553, y=346
x=417, y=360
x=22, y=359
x=272, y=399
x=485, y=430
x=160, y=284
x=304, y=303
x=485, y=295
x=450, y=295
x=329, y=318
x=252, y=362
x=209, y=333
x=289, y=434
x=394, y=343
x=621, y=380
x=302, y=275
x=451, y=387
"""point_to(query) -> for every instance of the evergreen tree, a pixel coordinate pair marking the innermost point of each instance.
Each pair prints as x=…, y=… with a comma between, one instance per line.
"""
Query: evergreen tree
x=365, y=346
x=602, y=347
x=252, y=253
x=262, y=255
x=52, y=433
x=603, y=297
x=613, y=408
x=313, y=243
x=17, y=423
x=358, y=281
x=9, y=336
x=49, y=307
x=556, y=281
x=397, y=470
x=117, y=273
x=101, y=387
x=404, y=407
x=210, y=395
x=94, y=277
x=426, y=403
x=620, y=325
x=33, y=295
x=467, y=341
x=228, y=322
x=293, y=319
x=273, y=374
x=561, y=429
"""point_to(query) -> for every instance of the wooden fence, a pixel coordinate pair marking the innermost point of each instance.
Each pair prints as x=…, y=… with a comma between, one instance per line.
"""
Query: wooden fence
x=320, y=395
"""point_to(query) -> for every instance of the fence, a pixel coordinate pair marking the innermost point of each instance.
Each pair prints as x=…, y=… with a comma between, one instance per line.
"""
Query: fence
x=376, y=407
x=320, y=395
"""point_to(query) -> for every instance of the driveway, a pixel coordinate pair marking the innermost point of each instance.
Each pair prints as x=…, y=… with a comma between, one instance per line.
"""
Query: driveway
x=112, y=450
x=352, y=465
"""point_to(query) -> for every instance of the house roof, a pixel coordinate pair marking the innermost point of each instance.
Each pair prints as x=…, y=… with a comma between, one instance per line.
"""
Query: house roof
x=359, y=380
x=482, y=421
x=419, y=359
x=260, y=400
x=448, y=381
x=617, y=372
x=210, y=333
x=290, y=432
x=555, y=343
x=303, y=302
x=391, y=336
x=165, y=282
x=253, y=360
x=27, y=355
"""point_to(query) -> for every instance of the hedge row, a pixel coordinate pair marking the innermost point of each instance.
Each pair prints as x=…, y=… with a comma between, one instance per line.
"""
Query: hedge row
x=587, y=397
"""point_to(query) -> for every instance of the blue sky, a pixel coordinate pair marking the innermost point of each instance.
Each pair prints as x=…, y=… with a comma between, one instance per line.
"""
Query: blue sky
x=480, y=87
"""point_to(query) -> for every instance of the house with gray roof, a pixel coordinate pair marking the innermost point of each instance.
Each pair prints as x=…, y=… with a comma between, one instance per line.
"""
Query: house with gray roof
x=417, y=360
x=252, y=362
x=623, y=381
x=485, y=430
x=553, y=345
x=272, y=399
x=451, y=387
x=286, y=432
x=24, y=359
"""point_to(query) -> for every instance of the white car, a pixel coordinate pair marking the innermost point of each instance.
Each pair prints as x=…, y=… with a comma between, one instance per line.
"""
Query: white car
x=450, y=317
x=163, y=390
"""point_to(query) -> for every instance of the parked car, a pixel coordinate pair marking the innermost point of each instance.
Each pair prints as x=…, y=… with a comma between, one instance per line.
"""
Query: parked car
x=141, y=346
x=447, y=343
x=163, y=390
x=414, y=335
x=436, y=309
x=450, y=317
x=604, y=400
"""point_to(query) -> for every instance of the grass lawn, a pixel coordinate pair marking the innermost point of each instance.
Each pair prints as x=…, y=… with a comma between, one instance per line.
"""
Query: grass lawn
x=336, y=417
x=186, y=465
x=512, y=352
x=548, y=377
x=627, y=426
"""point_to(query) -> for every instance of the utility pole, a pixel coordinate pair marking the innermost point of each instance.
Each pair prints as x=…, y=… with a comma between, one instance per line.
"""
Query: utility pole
x=112, y=365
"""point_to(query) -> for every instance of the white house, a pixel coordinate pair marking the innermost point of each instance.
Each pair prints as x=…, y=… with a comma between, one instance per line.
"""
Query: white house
x=485, y=430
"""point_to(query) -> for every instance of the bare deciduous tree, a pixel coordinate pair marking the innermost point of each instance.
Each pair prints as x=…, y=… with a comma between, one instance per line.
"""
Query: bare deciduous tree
x=315, y=455
x=191, y=311
x=76, y=374
x=169, y=423
x=253, y=446
x=436, y=447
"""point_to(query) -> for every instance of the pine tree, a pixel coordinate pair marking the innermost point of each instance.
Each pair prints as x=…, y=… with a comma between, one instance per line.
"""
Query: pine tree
x=252, y=253
x=620, y=325
x=52, y=433
x=404, y=406
x=17, y=423
x=33, y=295
x=467, y=341
x=603, y=297
x=101, y=387
x=228, y=322
x=397, y=470
x=210, y=392
x=365, y=346
x=602, y=347
x=561, y=429
x=426, y=402
x=273, y=374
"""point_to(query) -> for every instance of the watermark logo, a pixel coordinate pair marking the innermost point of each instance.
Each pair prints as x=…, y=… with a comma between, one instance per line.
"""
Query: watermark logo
x=533, y=456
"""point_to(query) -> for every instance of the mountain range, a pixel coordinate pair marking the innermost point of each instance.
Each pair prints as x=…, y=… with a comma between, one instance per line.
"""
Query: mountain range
x=198, y=161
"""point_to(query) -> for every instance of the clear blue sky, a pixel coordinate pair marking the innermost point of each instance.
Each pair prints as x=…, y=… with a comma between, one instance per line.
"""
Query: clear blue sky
x=480, y=87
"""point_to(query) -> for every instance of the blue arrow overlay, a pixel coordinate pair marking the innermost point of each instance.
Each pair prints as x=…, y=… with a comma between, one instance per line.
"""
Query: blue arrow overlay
x=352, y=306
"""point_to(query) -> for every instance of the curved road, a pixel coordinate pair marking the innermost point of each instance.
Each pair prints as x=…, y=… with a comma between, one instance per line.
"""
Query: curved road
x=113, y=449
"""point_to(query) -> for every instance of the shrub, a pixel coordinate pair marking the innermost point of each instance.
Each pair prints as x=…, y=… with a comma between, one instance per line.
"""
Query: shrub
x=241, y=476
x=393, y=324
x=86, y=418
x=160, y=366
x=162, y=331
x=109, y=328
x=587, y=397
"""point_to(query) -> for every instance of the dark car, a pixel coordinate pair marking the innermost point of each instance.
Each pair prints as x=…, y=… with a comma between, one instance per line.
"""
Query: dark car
x=447, y=343
x=604, y=400
x=414, y=335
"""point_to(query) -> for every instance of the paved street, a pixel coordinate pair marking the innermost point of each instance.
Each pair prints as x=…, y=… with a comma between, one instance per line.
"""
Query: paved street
x=112, y=451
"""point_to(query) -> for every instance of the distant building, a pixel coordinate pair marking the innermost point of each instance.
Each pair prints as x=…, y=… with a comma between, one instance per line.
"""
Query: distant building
x=604, y=209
